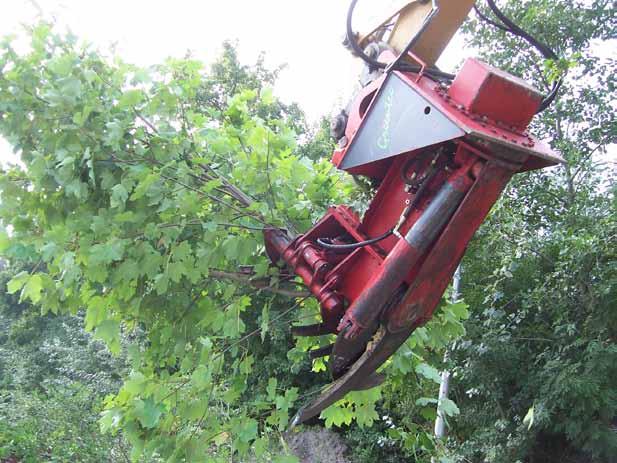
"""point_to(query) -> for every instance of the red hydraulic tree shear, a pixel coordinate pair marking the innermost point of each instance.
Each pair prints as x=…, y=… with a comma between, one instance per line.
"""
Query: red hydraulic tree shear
x=441, y=149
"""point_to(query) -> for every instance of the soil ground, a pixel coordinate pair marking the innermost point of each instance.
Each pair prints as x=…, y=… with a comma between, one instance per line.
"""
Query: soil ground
x=317, y=445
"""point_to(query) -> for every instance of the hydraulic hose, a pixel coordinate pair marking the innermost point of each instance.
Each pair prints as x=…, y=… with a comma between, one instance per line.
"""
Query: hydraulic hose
x=398, y=64
x=350, y=247
x=507, y=25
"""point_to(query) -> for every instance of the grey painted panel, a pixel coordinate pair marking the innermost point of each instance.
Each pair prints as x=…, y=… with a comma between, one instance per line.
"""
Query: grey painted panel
x=400, y=120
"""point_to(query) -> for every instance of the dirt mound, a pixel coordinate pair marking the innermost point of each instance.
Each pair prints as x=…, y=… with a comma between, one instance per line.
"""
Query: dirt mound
x=317, y=445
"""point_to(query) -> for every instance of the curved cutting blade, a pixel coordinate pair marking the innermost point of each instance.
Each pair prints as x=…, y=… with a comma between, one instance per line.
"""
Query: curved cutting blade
x=382, y=346
x=347, y=350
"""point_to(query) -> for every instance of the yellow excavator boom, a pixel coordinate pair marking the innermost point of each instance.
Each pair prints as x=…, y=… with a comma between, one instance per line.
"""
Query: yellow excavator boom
x=408, y=21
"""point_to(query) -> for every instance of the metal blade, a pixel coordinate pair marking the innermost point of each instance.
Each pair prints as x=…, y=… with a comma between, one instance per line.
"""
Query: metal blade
x=376, y=379
x=383, y=345
x=321, y=352
x=346, y=351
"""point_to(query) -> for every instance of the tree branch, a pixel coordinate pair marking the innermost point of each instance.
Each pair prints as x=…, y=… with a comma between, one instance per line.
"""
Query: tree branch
x=146, y=121
x=590, y=154
x=229, y=188
x=263, y=283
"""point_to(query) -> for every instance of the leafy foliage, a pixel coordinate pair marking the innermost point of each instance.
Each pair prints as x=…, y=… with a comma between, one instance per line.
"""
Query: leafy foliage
x=139, y=205
x=53, y=377
x=127, y=207
x=533, y=372
x=70, y=425
x=140, y=201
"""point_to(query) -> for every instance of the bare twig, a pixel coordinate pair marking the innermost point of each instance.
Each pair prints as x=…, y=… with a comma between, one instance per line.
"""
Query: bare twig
x=213, y=198
x=228, y=187
x=146, y=121
x=264, y=284
x=258, y=330
x=244, y=227
x=590, y=154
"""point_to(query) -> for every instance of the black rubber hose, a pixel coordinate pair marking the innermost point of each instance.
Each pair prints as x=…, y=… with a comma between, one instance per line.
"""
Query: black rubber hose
x=488, y=20
x=412, y=161
x=400, y=66
x=352, y=246
x=516, y=30
x=509, y=26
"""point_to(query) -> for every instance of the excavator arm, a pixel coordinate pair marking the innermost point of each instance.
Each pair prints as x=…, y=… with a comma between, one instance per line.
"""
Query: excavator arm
x=409, y=20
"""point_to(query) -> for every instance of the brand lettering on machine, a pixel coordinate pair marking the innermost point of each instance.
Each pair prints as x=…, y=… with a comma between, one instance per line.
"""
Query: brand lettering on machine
x=383, y=141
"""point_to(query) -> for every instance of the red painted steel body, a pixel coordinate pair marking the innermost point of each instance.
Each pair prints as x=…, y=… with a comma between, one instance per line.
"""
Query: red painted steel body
x=435, y=197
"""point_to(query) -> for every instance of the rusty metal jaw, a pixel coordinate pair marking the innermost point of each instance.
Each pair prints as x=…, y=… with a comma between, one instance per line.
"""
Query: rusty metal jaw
x=349, y=347
x=359, y=376
x=382, y=300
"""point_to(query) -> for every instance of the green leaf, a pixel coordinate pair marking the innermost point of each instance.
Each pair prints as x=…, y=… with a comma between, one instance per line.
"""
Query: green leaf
x=197, y=408
x=246, y=430
x=161, y=283
x=337, y=414
x=265, y=321
x=319, y=365
x=201, y=378
x=460, y=310
x=96, y=312
x=39, y=36
x=364, y=405
x=71, y=88
x=135, y=384
x=17, y=282
x=107, y=253
x=429, y=372
x=109, y=332
x=33, y=288
x=130, y=98
x=61, y=65
x=5, y=241
x=175, y=271
x=119, y=195
x=448, y=407
x=246, y=365
x=271, y=388
x=424, y=401
x=267, y=96
x=148, y=412
x=144, y=186
x=428, y=413
x=110, y=419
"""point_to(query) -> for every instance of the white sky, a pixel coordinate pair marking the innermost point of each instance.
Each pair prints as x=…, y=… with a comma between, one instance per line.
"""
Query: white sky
x=304, y=34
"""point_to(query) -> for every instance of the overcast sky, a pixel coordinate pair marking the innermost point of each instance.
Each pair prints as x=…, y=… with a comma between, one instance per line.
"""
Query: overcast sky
x=304, y=34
